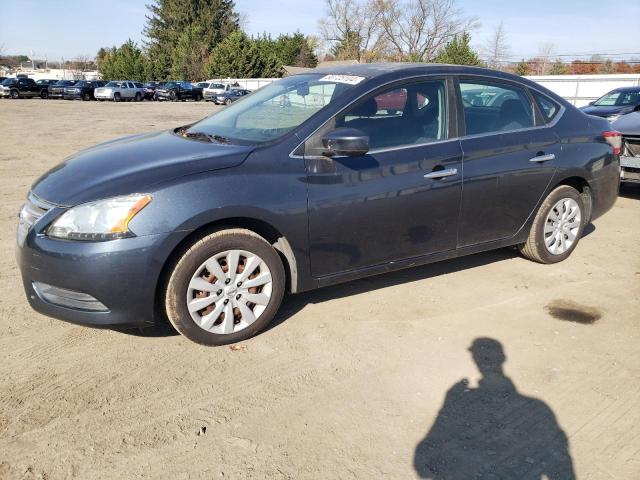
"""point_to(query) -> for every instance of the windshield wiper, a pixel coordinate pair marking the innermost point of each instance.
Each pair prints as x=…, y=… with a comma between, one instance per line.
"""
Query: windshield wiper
x=220, y=138
x=203, y=136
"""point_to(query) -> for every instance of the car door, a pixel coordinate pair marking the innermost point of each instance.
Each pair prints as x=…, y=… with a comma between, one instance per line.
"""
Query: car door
x=508, y=159
x=399, y=200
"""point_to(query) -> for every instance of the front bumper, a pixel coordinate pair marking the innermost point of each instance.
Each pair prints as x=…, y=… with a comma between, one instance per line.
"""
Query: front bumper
x=103, y=96
x=122, y=275
x=4, y=93
x=630, y=169
x=72, y=96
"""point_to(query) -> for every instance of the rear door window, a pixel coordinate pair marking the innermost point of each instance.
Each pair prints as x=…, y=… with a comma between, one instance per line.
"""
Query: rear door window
x=493, y=107
x=548, y=108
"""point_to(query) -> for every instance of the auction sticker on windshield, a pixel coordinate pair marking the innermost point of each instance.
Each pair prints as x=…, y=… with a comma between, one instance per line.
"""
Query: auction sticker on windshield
x=348, y=79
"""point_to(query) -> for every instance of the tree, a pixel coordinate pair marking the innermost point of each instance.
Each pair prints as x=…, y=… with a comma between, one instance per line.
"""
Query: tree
x=189, y=56
x=352, y=29
x=558, y=68
x=237, y=56
x=545, y=51
x=522, y=68
x=497, y=48
x=168, y=20
x=459, y=52
x=126, y=62
x=417, y=30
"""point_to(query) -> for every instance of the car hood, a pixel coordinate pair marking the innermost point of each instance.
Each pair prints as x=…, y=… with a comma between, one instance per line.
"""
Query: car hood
x=628, y=125
x=132, y=165
x=606, y=111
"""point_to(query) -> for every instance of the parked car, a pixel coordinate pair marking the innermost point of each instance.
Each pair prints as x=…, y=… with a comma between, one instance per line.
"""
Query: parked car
x=120, y=91
x=211, y=223
x=615, y=103
x=19, y=88
x=629, y=126
x=178, y=91
x=44, y=87
x=83, y=90
x=230, y=96
x=209, y=92
x=150, y=90
x=57, y=89
x=198, y=90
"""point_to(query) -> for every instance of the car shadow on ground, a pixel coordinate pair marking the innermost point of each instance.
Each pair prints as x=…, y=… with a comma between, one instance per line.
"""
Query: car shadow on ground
x=630, y=190
x=493, y=431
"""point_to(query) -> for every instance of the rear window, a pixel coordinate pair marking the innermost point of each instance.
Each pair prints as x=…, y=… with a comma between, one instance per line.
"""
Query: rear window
x=548, y=108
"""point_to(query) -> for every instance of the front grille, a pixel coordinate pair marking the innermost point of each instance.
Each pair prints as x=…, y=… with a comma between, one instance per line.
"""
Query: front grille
x=32, y=210
x=632, y=146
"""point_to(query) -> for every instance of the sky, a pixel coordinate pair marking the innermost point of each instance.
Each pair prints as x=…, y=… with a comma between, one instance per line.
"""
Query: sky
x=54, y=29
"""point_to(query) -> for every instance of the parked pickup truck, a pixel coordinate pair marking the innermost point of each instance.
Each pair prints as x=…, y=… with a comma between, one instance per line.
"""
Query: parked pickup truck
x=175, y=91
x=20, y=88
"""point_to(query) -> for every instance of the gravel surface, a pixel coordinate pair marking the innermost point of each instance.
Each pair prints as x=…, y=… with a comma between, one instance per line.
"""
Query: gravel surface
x=371, y=379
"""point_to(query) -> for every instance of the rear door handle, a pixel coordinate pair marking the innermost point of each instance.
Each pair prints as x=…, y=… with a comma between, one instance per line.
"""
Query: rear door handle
x=543, y=158
x=442, y=173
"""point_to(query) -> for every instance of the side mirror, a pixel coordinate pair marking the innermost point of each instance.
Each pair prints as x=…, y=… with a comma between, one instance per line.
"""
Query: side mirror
x=348, y=142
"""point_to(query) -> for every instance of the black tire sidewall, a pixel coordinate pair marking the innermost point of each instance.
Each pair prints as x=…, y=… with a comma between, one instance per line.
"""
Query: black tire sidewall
x=176, y=292
x=550, y=201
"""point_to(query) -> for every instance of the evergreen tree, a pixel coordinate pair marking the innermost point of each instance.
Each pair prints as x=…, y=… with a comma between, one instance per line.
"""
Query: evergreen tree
x=126, y=62
x=459, y=52
x=558, y=68
x=237, y=56
x=168, y=21
x=189, y=55
x=522, y=68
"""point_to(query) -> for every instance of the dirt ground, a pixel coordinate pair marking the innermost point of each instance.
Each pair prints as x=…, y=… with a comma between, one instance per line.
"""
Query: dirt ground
x=371, y=379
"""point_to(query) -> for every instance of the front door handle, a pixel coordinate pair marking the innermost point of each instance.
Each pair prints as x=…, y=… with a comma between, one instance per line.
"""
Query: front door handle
x=436, y=174
x=543, y=158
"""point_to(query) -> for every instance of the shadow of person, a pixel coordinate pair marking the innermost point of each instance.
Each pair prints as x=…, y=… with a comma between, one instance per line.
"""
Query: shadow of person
x=492, y=431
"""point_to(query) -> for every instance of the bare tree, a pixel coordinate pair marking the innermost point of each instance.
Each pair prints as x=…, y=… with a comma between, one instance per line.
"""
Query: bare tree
x=418, y=29
x=497, y=47
x=353, y=29
x=545, y=52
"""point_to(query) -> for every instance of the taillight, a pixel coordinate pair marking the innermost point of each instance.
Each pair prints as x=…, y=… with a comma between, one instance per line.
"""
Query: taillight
x=614, y=139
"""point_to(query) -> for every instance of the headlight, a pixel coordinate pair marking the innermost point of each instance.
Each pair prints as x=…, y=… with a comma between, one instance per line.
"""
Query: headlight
x=101, y=220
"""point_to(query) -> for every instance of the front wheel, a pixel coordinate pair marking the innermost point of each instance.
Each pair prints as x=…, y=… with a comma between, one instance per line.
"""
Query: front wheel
x=557, y=227
x=138, y=97
x=15, y=94
x=225, y=288
x=116, y=97
x=228, y=101
x=44, y=94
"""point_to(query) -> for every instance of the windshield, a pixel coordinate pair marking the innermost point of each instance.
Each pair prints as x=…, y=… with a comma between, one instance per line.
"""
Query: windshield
x=619, y=98
x=9, y=81
x=65, y=83
x=276, y=109
x=114, y=84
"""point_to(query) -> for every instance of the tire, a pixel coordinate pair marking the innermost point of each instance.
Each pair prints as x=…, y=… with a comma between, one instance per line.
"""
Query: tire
x=86, y=97
x=228, y=101
x=15, y=94
x=44, y=94
x=117, y=97
x=173, y=97
x=543, y=231
x=138, y=97
x=229, y=294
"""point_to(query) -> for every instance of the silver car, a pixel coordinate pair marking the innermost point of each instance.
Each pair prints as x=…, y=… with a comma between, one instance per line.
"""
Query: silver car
x=120, y=90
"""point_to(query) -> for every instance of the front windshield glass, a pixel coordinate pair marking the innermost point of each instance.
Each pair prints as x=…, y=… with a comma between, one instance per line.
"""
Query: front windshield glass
x=619, y=98
x=65, y=83
x=276, y=109
x=9, y=81
x=113, y=84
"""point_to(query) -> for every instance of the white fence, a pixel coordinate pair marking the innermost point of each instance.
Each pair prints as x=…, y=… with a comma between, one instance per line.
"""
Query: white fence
x=245, y=83
x=577, y=89
x=582, y=89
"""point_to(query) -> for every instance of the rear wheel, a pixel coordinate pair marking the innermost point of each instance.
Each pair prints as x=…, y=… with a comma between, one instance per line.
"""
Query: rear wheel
x=138, y=97
x=228, y=101
x=86, y=97
x=117, y=97
x=15, y=94
x=557, y=227
x=225, y=288
x=44, y=94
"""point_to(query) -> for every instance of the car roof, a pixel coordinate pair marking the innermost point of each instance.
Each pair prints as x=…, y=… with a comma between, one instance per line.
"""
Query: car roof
x=370, y=70
x=626, y=89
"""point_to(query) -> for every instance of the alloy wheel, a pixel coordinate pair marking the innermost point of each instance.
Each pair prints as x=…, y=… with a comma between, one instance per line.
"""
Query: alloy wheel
x=561, y=226
x=229, y=291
